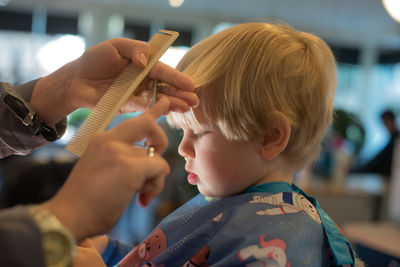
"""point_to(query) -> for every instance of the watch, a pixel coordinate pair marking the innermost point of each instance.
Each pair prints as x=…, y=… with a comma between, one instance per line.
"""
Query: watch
x=57, y=241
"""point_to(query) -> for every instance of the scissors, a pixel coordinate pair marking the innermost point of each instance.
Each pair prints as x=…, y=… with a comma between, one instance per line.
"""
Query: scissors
x=152, y=100
x=153, y=94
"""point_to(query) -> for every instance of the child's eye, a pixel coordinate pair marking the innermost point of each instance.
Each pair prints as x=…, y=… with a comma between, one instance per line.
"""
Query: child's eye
x=199, y=134
x=192, y=133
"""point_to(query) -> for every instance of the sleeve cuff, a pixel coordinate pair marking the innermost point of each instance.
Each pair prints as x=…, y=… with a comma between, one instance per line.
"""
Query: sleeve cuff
x=15, y=138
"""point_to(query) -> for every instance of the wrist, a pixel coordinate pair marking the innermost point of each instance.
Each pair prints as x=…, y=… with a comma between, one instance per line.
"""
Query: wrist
x=58, y=243
x=68, y=218
x=49, y=96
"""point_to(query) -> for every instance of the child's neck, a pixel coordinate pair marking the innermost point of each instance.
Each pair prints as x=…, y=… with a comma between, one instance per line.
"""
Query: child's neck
x=276, y=173
x=271, y=179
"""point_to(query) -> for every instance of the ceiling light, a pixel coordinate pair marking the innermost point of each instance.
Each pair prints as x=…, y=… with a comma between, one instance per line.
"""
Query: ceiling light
x=176, y=3
x=49, y=55
x=393, y=8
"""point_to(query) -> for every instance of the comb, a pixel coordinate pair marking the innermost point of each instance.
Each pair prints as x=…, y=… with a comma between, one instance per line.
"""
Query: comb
x=123, y=87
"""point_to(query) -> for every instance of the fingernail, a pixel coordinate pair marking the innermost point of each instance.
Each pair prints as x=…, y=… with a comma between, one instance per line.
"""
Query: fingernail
x=143, y=59
x=197, y=103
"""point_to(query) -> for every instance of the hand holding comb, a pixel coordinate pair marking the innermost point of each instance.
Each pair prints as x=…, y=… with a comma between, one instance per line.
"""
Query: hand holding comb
x=122, y=88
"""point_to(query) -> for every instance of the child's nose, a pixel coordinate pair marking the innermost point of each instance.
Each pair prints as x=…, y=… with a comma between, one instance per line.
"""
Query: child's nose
x=185, y=149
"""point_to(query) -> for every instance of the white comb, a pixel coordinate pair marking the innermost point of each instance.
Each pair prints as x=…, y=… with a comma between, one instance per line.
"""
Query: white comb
x=123, y=87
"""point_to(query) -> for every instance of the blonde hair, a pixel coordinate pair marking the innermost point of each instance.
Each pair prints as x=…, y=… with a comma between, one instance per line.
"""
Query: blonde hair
x=247, y=72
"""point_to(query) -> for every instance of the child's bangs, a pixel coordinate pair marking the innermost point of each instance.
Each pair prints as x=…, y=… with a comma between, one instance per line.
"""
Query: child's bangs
x=205, y=114
x=178, y=120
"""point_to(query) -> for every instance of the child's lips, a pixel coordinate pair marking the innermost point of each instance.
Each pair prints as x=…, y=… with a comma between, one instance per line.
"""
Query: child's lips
x=192, y=178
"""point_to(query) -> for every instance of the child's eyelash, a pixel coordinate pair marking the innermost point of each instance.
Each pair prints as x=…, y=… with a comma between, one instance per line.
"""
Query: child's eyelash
x=199, y=134
x=192, y=132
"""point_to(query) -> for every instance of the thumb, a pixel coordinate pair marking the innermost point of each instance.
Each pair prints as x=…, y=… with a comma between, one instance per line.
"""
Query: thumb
x=87, y=243
x=161, y=107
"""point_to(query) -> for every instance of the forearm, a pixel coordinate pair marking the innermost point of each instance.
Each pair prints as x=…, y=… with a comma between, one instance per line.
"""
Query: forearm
x=20, y=239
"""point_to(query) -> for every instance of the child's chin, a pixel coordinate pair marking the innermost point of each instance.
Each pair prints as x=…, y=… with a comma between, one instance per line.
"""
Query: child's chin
x=204, y=192
x=207, y=193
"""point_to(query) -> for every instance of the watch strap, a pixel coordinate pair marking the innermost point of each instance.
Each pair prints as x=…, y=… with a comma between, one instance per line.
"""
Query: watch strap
x=24, y=112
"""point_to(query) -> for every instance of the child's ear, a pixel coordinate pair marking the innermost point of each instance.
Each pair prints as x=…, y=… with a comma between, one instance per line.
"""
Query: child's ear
x=277, y=137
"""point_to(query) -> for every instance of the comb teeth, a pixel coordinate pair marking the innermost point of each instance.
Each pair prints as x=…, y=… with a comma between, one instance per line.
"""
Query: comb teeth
x=123, y=87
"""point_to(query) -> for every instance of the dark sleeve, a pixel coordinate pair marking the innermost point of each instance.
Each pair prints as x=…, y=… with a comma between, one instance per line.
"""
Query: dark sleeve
x=15, y=138
x=381, y=163
x=115, y=251
x=20, y=239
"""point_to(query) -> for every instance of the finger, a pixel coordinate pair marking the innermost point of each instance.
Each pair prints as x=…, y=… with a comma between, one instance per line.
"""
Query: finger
x=144, y=85
x=159, y=109
x=153, y=169
x=144, y=198
x=87, y=255
x=153, y=186
x=137, y=51
x=167, y=74
x=137, y=129
x=143, y=126
x=86, y=243
x=178, y=105
x=134, y=103
x=100, y=242
x=189, y=97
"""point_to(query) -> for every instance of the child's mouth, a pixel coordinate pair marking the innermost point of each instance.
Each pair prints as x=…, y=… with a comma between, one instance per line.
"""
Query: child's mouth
x=192, y=178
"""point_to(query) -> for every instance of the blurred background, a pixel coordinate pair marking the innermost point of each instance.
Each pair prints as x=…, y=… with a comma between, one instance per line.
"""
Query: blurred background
x=356, y=184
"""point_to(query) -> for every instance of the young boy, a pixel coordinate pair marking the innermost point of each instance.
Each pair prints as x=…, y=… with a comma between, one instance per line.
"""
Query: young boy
x=266, y=94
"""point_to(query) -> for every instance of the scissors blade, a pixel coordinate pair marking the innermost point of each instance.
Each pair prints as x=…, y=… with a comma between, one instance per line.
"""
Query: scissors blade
x=153, y=94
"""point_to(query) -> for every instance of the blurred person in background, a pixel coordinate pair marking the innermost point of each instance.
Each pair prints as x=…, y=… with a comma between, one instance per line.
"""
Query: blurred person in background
x=381, y=163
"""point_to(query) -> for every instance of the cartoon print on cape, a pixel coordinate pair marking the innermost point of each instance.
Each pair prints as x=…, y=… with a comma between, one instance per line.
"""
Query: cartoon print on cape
x=144, y=252
x=272, y=253
x=288, y=202
x=200, y=259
